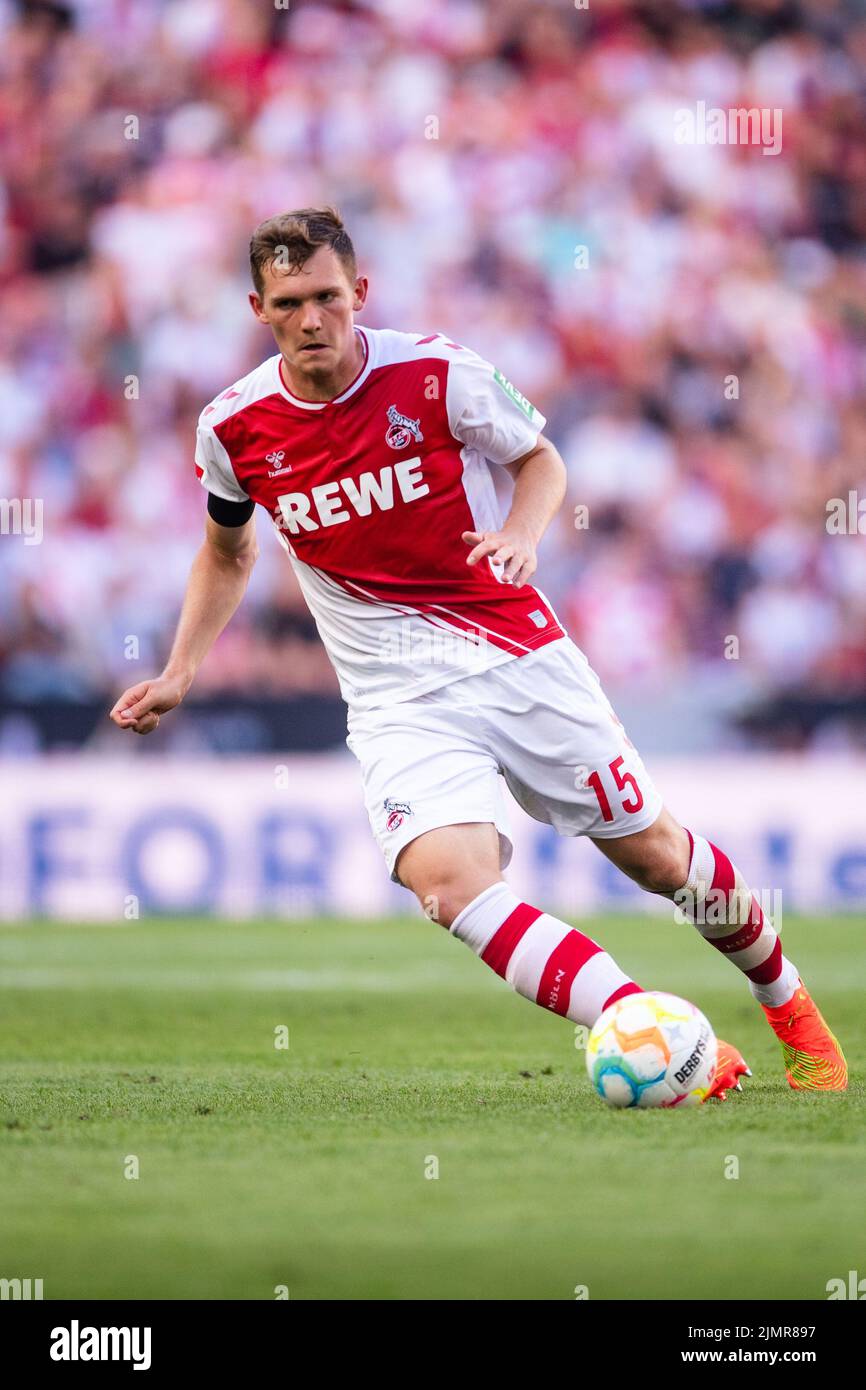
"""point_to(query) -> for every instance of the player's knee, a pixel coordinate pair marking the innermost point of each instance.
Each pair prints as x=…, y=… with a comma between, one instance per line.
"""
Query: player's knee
x=444, y=896
x=447, y=868
x=663, y=868
x=444, y=899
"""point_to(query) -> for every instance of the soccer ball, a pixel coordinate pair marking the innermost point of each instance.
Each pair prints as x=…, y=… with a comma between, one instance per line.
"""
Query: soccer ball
x=652, y=1050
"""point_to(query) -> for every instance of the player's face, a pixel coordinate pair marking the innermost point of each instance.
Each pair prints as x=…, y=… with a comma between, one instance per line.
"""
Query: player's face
x=310, y=312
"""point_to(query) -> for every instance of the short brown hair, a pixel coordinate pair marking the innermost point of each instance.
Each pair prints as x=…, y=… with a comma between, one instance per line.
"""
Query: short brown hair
x=295, y=236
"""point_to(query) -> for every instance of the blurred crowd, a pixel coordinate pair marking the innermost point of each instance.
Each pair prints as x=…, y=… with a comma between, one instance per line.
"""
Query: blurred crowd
x=691, y=318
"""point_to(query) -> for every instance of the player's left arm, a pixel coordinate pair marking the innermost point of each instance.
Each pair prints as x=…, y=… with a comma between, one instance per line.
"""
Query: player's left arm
x=539, y=488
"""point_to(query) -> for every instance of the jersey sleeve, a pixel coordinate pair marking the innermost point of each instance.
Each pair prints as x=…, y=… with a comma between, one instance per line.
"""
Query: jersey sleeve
x=213, y=466
x=487, y=412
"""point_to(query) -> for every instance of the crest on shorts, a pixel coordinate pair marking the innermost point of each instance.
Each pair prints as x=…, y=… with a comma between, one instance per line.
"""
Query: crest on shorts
x=396, y=812
x=401, y=430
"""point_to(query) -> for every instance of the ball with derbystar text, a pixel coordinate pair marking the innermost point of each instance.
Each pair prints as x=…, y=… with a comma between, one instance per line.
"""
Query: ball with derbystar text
x=652, y=1050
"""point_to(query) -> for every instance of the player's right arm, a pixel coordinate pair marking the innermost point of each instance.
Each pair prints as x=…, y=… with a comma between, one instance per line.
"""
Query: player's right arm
x=217, y=583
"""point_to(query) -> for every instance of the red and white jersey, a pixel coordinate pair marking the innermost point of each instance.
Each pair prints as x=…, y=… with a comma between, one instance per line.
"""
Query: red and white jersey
x=370, y=494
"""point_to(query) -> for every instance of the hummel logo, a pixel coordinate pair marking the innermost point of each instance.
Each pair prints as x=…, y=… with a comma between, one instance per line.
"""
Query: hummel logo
x=276, y=458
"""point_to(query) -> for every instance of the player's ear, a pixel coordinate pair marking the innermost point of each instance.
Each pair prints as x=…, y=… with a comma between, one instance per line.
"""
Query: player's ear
x=361, y=287
x=257, y=306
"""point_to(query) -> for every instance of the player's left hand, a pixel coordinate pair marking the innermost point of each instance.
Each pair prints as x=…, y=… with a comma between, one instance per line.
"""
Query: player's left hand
x=512, y=546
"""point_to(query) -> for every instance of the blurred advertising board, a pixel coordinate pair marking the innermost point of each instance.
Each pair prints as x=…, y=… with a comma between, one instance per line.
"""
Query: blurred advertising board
x=82, y=838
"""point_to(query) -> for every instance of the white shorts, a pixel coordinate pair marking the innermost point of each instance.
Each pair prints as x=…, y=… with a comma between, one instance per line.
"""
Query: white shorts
x=542, y=721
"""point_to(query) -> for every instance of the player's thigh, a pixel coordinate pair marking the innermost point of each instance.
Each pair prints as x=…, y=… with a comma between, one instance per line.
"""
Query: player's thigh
x=565, y=755
x=425, y=770
x=449, y=866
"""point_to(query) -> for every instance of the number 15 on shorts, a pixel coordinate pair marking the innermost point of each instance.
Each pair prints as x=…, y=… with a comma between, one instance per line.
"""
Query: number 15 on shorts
x=630, y=794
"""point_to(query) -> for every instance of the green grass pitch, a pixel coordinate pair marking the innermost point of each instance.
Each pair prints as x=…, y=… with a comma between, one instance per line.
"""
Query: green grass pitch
x=307, y=1167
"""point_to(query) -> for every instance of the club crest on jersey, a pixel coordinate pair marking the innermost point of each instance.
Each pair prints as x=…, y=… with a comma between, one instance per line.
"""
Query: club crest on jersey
x=396, y=811
x=401, y=430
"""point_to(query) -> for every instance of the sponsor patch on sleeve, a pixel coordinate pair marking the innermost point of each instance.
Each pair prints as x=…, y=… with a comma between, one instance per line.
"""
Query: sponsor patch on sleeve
x=511, y=390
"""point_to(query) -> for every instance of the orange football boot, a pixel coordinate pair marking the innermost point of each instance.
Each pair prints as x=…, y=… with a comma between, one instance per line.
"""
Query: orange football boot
x=730, y=1066
x=814, y=1061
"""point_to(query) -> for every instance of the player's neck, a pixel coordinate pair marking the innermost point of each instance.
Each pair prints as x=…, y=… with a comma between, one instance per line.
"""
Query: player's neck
x=326, y=386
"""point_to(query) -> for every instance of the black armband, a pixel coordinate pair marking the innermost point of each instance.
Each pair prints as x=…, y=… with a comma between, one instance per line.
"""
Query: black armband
x=229, y=513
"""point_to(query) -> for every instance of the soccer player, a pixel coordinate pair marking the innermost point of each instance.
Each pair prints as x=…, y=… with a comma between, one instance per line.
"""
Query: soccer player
x=371, y=452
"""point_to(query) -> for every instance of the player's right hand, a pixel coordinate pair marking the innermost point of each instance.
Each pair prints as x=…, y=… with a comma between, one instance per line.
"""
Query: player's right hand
x=140, y=706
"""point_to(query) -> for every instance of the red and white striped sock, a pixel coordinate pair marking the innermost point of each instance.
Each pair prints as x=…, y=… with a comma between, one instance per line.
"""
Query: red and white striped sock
x=736, y=925
x=542, y=958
